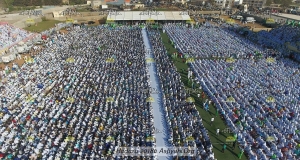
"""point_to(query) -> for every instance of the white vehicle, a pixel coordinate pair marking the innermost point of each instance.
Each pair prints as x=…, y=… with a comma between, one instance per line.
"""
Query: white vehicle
x=39, y=42
x=233, y=16
x=23, y=49
x=250, y=19
x=239, y=17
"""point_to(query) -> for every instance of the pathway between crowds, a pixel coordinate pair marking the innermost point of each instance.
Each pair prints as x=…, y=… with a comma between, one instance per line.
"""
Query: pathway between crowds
x=159, y=119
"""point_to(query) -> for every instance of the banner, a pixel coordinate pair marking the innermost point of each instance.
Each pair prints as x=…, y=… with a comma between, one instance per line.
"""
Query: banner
x=150, y=21
x=190, y=21
x=30, y=21
x=70, y=20
x=109, y=20
x=270, y=21
x=230, y=21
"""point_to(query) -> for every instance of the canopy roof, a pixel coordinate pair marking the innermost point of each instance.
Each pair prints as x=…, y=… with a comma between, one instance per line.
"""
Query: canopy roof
x=140, y=15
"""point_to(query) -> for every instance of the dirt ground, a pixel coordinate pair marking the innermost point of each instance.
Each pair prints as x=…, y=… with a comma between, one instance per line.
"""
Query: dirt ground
x=17, y=61
x=252, y=25
x=83, y=18
x=63, y=31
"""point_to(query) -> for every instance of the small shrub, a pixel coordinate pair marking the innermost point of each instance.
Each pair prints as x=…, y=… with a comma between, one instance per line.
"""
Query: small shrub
x=44, y=18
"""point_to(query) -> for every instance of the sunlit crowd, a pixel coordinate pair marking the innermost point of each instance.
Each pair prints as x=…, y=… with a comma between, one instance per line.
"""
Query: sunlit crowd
x=258, y=97
x=10, y=35
x=87, y=92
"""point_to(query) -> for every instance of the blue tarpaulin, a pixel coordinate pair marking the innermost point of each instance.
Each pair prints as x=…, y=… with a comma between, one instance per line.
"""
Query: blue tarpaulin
x=40, y=86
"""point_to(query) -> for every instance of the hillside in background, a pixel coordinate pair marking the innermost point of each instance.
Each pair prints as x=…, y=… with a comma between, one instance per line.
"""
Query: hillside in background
x=10, y=3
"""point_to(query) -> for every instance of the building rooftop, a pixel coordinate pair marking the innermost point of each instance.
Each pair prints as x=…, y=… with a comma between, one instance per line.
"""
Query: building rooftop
x=143, y=15
x=290, y=16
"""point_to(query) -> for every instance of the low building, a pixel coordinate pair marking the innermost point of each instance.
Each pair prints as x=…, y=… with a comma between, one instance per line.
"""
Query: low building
x=58, y=14
x=104, y=6
x=127, y=2
x=198, y=2
x=144, y=16
x=139, y=5
x=255, y=3
x=220, y=3
x=97, y=3
x=65, y=1
x=238, y=2
x=181, y=1
x=229, y=3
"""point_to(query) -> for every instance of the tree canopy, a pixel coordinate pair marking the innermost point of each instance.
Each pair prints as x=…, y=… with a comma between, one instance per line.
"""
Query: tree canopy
x=39, y=2
x=269, y=2
x=284, y=3
x=77, y=1
x=27, y=2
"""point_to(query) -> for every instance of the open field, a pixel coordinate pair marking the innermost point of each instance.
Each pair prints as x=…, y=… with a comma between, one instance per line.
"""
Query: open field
x=18, y=20
x=42, y=26
x=84, y=17
x=252, y=25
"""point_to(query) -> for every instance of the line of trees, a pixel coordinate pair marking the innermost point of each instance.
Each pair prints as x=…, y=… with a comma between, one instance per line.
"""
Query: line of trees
x=40, y=2
x=27, y=2
x=284, y=3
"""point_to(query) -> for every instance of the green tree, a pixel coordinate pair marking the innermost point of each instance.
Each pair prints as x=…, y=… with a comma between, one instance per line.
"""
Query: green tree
x=278, y=1
x=21, y=3
x=212, y=2
x=77, y=1
x=53, y=2
x=8, y=3
x=286, y=3
x=240, y=7
x=269, y=2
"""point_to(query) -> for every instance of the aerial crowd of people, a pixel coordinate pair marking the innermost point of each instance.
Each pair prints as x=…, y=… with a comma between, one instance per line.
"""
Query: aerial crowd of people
x=183, y=119
x=256, y=96
x=87, y=92
x=11, y=35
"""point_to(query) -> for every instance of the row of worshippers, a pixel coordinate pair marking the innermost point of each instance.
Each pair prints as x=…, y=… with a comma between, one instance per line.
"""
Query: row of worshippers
x=258, y=98
x=78, y=98
x=206, y=42
x=11, y=35
x=183, y=119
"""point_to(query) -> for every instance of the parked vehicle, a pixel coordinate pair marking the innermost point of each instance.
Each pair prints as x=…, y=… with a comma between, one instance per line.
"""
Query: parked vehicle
x=250, y=19
x=239, y=17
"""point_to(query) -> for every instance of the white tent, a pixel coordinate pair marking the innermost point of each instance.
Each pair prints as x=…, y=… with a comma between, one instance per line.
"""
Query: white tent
x=21, y=49
x=156, y=16
x=8, y=57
